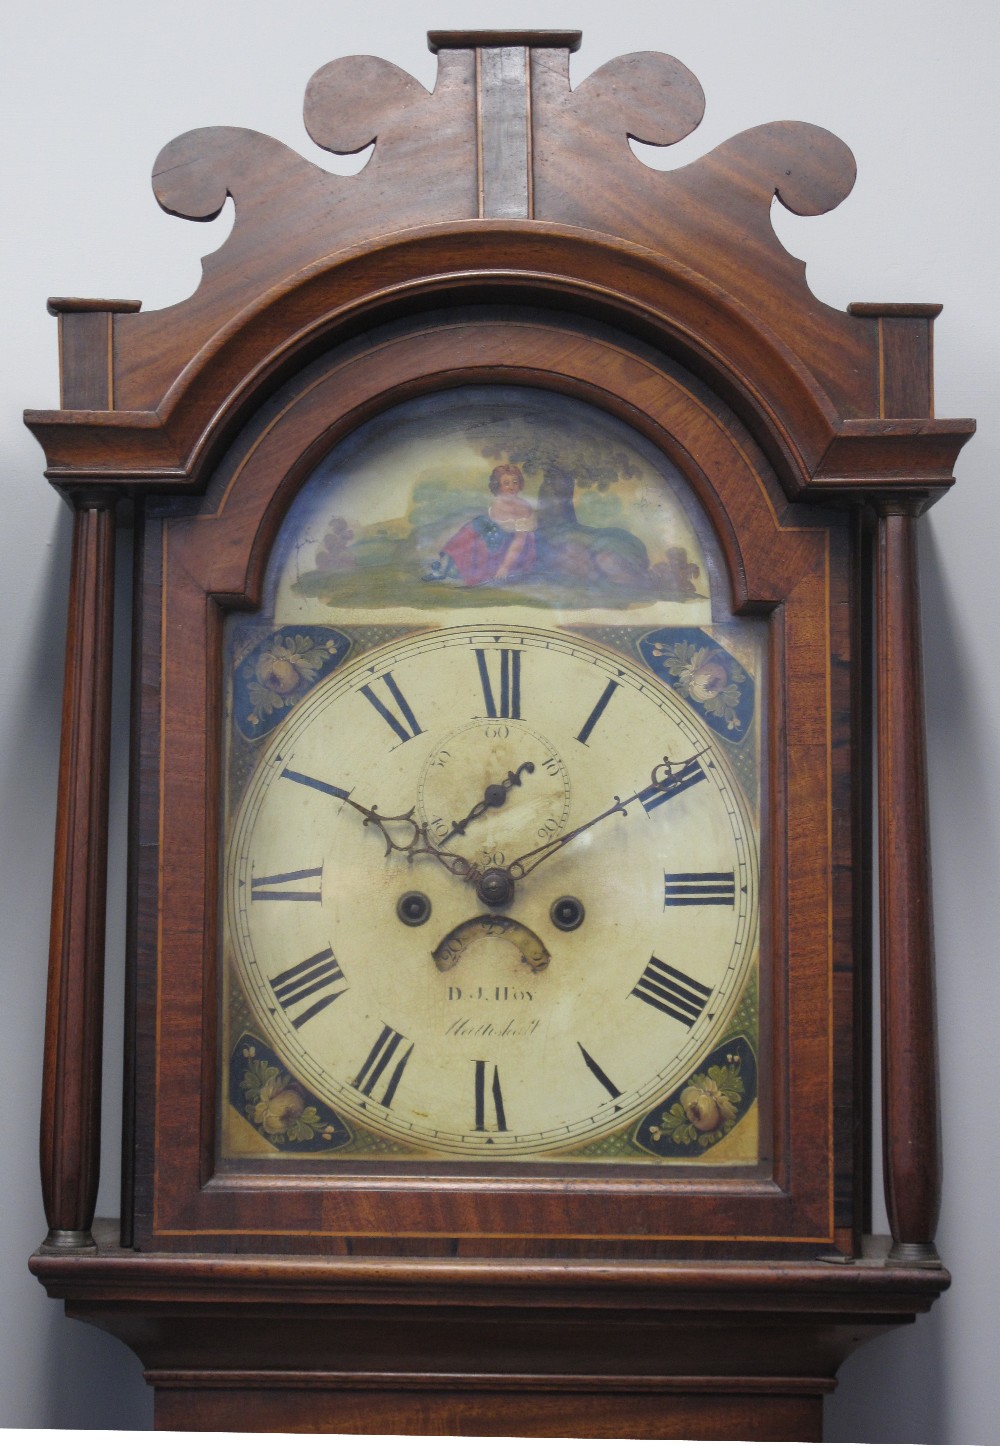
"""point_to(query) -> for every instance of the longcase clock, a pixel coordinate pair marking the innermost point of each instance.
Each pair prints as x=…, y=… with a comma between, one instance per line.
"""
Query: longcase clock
x=518, y=546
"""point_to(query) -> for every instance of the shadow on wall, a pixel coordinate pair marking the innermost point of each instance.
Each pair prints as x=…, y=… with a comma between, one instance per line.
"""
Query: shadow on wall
x=892, y=1389
x=77, y=1377
x=896, y=1388
x=95, y=1382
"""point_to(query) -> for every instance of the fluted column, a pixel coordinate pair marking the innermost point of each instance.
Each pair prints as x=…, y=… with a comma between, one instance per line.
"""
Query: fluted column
x=71, y=1090
x=910, y=1127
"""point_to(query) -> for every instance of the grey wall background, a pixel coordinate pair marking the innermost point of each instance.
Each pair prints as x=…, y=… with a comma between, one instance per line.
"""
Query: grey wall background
x=89, y=95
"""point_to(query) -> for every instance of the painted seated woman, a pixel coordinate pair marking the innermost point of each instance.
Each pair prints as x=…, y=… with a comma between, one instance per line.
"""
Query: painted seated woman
x=497, y=546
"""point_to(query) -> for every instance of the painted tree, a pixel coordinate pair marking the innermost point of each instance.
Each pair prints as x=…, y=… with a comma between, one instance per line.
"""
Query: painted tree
x=567, y=455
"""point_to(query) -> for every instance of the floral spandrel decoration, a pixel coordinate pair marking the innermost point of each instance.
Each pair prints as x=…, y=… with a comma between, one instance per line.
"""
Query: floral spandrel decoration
x=704, y=674
x=707, y=1106
x=279, y=1107
x=279, y=671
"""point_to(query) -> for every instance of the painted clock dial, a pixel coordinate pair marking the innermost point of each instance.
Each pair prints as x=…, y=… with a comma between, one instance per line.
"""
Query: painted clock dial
x=491, y=863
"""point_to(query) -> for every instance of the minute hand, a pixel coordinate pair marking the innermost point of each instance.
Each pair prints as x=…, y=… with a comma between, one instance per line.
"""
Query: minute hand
x=666, y=779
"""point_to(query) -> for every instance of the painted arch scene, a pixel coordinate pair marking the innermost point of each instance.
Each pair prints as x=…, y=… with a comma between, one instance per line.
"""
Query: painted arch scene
x=492, y=497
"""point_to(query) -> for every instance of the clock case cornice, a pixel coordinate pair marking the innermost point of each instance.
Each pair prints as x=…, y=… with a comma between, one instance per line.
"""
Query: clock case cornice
x=688, y=258
x=561, y=218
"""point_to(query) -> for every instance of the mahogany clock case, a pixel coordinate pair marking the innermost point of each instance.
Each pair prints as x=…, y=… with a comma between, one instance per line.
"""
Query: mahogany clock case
x=501, y=240
x=198, y=562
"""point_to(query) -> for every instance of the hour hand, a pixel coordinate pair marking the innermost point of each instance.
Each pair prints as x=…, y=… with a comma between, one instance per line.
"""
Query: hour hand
x=403, y=834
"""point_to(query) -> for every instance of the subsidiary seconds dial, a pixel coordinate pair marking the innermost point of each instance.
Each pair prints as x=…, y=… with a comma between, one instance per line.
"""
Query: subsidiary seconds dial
x=492, y=893
x=519, y=771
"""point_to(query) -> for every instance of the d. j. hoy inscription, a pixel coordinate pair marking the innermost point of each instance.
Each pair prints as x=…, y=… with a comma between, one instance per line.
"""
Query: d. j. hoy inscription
x=489, y=994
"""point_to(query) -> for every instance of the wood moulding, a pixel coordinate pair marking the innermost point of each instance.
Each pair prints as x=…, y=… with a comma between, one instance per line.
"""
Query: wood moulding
x=531, y=1347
